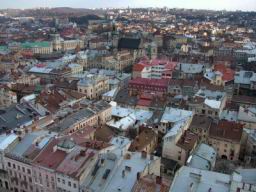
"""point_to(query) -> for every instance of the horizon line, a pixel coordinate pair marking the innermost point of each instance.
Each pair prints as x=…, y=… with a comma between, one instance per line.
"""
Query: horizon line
x=131, y=7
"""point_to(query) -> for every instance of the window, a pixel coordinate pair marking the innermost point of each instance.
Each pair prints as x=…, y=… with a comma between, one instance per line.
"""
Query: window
x=9, y=164
x=74, y=185
x=28, y=171
x=14, y=166
x=69, y=184
x=58, y=180
x=63, y=181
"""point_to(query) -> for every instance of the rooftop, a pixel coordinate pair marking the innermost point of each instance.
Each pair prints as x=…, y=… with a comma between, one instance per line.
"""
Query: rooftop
x=245, y=77
x=79, y=159
x=17, y=115
x=72, y=119
x=201, y=121
x=203, y=157
x=188, y=140
x=226, y=130
x=143, y=139
x=188, y=178
x=149, y=82
x=175, y=115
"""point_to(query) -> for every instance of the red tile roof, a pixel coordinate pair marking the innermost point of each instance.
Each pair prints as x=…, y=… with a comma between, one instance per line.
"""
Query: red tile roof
x=138, y=67
x=152, y=82
x=188, y=140
x=228, y=74
x=50, y=158
x=227, y=130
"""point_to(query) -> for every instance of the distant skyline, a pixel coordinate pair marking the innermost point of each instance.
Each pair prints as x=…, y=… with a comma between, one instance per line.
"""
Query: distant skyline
x=245, y=5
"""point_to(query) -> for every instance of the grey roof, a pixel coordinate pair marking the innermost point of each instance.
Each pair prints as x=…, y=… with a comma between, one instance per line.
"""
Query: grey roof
x=203, y=157
x=199, y=180
x=91, y=80
x=15, y=116
x=73, y=119
x=26, y=142
x=191, y=68
x=248, y=175
x=244, y=77
x=66, y=144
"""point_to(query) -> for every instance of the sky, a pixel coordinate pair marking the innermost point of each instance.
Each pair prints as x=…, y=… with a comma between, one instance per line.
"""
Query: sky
x=245, y=5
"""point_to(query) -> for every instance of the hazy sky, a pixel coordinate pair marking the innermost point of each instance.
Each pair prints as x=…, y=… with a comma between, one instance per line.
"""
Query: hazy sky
x=199, y=4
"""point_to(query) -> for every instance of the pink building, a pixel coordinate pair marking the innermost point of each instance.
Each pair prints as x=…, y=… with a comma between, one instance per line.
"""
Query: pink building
x=154, y=69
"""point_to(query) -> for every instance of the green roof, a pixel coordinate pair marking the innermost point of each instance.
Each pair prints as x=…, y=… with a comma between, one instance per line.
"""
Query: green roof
x=29, y=45
x=4, y=48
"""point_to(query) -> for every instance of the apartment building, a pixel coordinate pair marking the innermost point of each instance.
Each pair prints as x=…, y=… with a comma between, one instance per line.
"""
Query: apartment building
x=93, y=86
x=225, y=137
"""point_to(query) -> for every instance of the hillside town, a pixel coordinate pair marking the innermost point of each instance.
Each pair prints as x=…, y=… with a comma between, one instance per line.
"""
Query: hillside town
x=127, y=100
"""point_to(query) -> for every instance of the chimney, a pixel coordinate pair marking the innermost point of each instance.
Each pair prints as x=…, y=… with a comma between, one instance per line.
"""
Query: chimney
x=138, y=176
x=143, y=154
x=191, y=187
x=158, y=180
x=102, y=162
x=82, y=153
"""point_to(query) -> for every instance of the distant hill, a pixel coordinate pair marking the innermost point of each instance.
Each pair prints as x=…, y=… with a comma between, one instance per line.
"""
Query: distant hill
x=48, y=12
x=83, y=20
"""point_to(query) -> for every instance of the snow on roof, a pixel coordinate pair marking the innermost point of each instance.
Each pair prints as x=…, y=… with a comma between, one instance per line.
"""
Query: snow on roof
x=121, y=111
x=248, y=175
x=203, y=157
x=6, y=140
x=247, y=114
x=245, y=77
x=176, y=128
x=29, y=97
x=175, y=115
x=123, y=123
x=229, y=115
x=74, y=65
x=140, y=114
x=212, y=103
x=191, y=68
x=126, y=183
x=120, y=142
x=40, y=70
x=113, y=104
x=201, y=180
x=110, y=93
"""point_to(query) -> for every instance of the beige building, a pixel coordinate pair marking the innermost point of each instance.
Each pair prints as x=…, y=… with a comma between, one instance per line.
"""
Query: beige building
x=7, y=97
x=89, y=59
x=119, y=61
x=176, y=143
x=72, y=44
x=200, y=125
x=146, y=141
x=28, y=79
x=93, y=86
x=43, y=47
x=60, y=44
x=75, y=68
x=225, y=137
x=209, y=103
